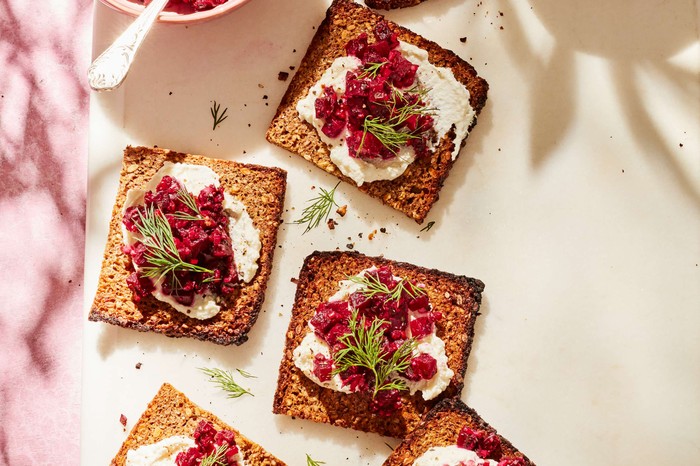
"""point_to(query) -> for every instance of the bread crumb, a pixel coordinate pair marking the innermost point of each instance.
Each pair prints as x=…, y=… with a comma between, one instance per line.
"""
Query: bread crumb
x=331, y=224
x=463, y=40
x=294, y=280
x=371, y=235
x=342, y=210
x=138, y=365
x=282, y=75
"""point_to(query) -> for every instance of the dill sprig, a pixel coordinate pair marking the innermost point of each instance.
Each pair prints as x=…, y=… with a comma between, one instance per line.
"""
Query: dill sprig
x=319, y=208
x=312, y=462
x=371, y=70
x=218, y=118
x=389, y=131
x=161, y=254
x=364, y=348
x=217, y=457
x=372, y=286
x=190, y=201
x=225, y=381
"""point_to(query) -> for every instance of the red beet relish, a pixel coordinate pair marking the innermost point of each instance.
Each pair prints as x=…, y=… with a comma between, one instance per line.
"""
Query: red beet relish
x=486, y=445
x=331, y=322
x=184, y=7
x=208, y=440
x=382, y=91
x=201, y=239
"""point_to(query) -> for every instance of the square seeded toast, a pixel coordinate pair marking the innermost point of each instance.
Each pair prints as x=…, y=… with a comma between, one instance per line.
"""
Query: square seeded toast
x=260, y=189
x=412, y=193
x=457, y=297
x=172, y=413
x=441, y=427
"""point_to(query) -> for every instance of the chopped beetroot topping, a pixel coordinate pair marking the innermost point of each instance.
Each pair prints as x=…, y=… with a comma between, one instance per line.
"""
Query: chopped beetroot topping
x=486, y=445
x=512, y=461
x=187, y=6
x=331, y=323
x=208, y=441
x=382, y=108
x=201, y=238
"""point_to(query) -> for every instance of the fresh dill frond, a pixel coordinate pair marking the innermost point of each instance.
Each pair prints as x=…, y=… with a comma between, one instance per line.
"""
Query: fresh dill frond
x=225, y=381
x=217, y=457
x=245, y=374
x=319, y=208
x=162, y=255
x=372, y=286
x=190, y=201
x=312, y=462
x=371, y=70
x=218, y=118
x=364, y=348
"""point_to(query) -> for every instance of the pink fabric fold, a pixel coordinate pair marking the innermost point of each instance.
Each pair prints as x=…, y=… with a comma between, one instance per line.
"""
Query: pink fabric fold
x=44, y=53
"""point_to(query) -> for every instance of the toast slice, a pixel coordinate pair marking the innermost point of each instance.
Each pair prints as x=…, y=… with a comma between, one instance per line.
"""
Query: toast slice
x=260, y=189
x=172, y=413
x=391, y=4
x=457, y=297
x=412, y=193
x=441, y=427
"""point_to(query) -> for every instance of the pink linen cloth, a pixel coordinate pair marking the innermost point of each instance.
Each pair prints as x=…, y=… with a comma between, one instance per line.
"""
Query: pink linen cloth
x=44, y=55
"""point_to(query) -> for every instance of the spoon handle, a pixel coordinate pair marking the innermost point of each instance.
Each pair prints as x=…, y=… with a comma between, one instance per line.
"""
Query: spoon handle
x=108, y=70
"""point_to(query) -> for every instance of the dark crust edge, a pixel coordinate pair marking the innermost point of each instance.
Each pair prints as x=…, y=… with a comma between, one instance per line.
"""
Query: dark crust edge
x=474, y=286
x=391, y=4
x=401, y=454
x=264, y=269
x=168, y=393
x=464, y=72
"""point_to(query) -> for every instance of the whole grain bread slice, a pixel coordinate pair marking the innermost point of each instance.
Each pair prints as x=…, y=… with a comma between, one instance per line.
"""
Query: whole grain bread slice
x=391, y=4
x=441, y=427
x=412, y=193
x=172, y=413
x=260, y=189
x=457, y=297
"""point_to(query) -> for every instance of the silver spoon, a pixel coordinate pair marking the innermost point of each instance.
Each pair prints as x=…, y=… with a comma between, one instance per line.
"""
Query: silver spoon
x=108, y=70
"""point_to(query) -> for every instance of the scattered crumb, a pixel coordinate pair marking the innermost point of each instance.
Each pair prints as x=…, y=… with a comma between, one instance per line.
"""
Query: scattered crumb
x=382, y=229
x=623, y=170
x=360, y=235
x=350, y=245
x=169, y=93
x=122, y=420
x=294, y=280
x=292, y=68
x=282, y=75
x=681, y=144
x=463, y=40
x=371, y=235
x=261, y=86
x=265, y=97
x=138, y=365
x=342, y=210
x=331, y=224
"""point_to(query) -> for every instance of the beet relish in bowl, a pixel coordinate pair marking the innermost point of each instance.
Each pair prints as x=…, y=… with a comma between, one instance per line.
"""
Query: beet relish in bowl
x=180, y=11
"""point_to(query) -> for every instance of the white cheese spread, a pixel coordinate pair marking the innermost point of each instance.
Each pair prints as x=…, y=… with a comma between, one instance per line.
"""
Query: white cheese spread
x=431, y=344
x=159, y=453
x=447, y=98
x=245, y=238
x=165, y=452
x=451, y=456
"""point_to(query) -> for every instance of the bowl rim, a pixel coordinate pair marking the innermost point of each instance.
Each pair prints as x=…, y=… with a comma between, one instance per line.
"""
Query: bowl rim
x=134, y=9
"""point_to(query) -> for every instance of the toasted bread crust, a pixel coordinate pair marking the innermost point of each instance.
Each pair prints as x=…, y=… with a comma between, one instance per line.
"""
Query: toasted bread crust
x=172, y=413
x=391, y=4
x=414, y=192
x=441, y=427
x=260, y=189
x=458, y=299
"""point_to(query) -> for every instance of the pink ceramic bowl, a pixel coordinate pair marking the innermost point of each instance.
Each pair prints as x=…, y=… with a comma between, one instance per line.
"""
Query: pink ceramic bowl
x=135, y=9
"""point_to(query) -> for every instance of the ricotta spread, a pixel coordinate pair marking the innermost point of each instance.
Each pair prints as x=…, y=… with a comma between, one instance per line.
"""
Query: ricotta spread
x=451, y=456
x=446, y=97
x=430, y=344
x=159, y=453
x=245, y=237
